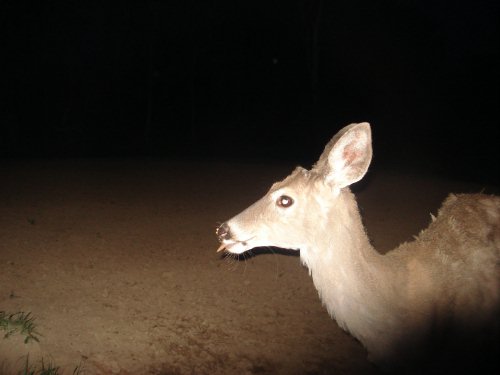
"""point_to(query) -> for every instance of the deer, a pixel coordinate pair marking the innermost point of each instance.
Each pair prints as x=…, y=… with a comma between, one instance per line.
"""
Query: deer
x=403, y=305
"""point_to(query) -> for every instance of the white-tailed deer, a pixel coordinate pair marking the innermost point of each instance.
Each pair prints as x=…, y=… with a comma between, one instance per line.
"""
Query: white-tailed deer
x=402, y=305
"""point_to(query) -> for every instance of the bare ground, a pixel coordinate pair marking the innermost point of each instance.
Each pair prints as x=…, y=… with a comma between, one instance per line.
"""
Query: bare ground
x=116, y=260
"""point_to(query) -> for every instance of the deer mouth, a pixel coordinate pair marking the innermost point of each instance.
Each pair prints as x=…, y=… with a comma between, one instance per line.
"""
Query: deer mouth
x=234, y=246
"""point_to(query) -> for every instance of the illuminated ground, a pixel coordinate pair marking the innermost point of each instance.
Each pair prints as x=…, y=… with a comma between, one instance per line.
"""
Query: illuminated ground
x=116, y=260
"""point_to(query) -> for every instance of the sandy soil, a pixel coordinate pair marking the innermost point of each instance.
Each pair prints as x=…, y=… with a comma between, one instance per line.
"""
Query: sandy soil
x=116, y=260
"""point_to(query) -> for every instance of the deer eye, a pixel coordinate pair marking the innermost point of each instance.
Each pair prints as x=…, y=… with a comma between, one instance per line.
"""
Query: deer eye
x=284, y=201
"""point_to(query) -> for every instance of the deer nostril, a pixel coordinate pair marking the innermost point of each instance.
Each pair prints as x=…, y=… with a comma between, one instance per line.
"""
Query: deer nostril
x=223, y=232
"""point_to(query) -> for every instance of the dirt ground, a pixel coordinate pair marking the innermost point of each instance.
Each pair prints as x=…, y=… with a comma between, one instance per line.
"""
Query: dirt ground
x=116, y=261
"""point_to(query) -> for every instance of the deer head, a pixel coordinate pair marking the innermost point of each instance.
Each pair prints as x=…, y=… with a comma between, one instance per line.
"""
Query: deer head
x=293, y=209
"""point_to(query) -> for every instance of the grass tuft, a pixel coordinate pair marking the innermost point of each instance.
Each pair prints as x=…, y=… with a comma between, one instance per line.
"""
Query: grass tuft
x=44, y=369
x=29, y=369
x=21, y=323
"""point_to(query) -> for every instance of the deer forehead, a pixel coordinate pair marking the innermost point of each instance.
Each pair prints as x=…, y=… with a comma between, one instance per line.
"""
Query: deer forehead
x=297, y=184
x=297, y=180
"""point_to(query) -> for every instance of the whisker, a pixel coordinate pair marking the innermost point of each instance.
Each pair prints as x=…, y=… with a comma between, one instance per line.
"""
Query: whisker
x=231, y=260
x=275, y=255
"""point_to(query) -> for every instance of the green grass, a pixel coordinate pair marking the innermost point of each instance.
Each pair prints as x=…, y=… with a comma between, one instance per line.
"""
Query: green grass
x=23, y=324
x=19, y=323
x=45, y=369
x=29, y=369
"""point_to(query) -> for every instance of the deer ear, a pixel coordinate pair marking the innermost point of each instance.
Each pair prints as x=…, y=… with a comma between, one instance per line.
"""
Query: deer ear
x=347, y=156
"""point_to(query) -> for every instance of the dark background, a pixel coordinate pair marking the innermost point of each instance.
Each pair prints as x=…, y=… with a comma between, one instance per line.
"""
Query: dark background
x=239, y=80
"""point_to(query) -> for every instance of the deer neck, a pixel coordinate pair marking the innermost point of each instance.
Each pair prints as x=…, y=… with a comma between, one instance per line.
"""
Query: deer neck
x=352, y=278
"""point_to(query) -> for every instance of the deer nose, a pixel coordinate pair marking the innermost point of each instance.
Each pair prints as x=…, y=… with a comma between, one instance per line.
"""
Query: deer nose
x=223, y=232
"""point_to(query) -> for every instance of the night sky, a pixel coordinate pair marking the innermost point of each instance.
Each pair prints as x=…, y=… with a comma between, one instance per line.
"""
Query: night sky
x=243, y=80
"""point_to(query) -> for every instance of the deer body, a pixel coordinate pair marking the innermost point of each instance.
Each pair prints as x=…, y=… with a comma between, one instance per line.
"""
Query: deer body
x=396, y=303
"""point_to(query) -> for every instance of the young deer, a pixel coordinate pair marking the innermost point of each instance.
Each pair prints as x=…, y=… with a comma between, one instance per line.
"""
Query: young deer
x=402, y=305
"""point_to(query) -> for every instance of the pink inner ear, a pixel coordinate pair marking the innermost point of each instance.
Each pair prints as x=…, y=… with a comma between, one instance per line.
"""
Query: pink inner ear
x=349, y=154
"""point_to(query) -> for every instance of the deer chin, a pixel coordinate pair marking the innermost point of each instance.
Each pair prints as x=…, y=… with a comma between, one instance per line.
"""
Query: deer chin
x=239, y=247
x=235, y=247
